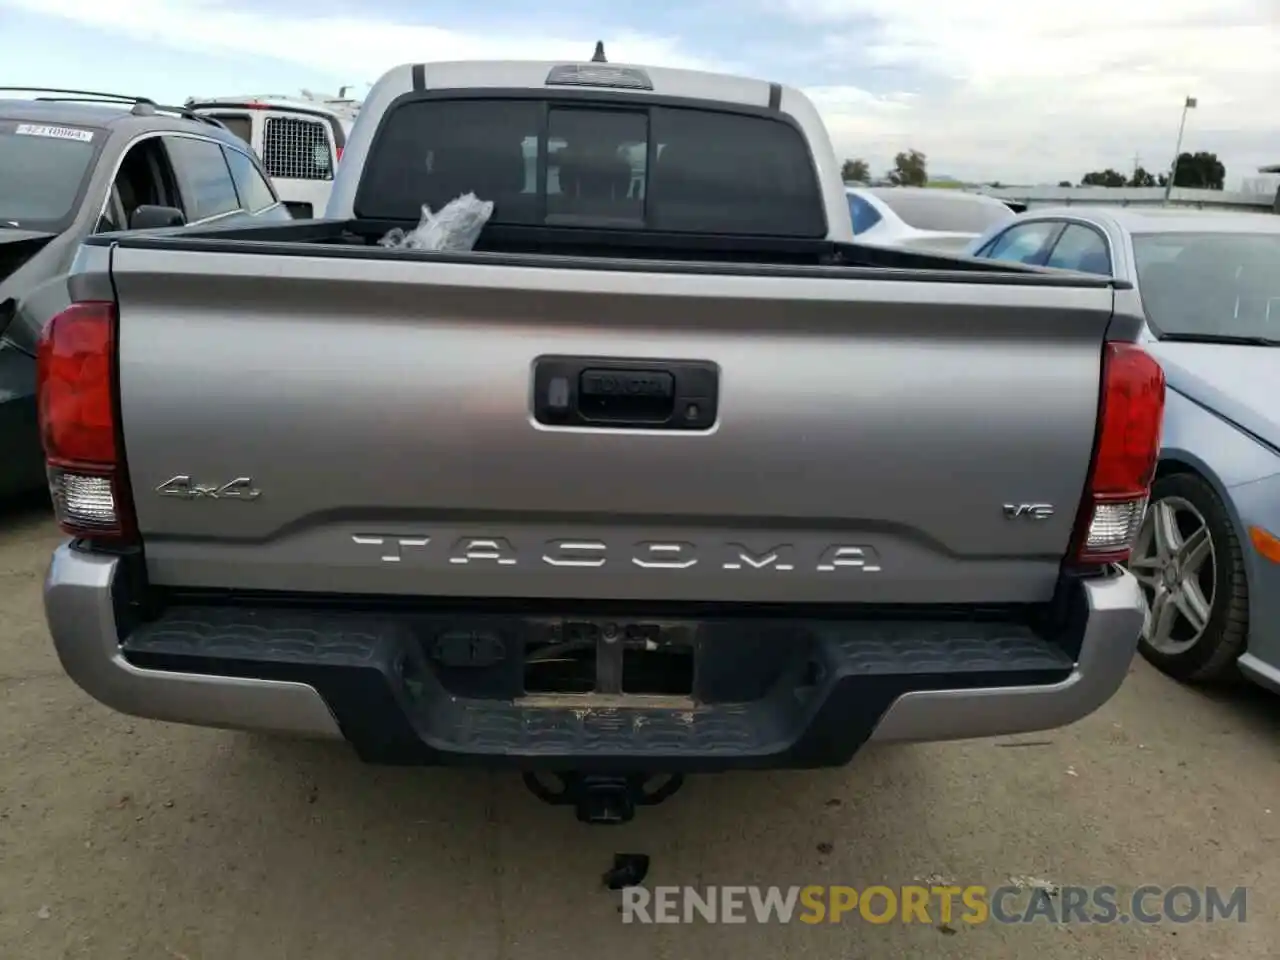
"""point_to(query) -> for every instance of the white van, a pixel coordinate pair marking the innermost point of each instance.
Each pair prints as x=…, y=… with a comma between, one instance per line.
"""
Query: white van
x=300, y=143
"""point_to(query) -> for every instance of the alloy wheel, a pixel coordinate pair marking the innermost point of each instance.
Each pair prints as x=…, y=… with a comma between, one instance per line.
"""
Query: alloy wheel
x=1175, y=563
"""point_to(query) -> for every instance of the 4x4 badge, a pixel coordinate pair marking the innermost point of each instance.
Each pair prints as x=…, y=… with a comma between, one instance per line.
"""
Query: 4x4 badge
x=241, y=488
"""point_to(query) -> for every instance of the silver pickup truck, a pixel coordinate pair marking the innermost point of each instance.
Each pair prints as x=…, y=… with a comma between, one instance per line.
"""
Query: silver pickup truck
x=666, y=475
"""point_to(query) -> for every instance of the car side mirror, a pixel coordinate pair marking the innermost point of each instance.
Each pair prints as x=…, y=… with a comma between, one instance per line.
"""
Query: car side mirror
x=150, y=217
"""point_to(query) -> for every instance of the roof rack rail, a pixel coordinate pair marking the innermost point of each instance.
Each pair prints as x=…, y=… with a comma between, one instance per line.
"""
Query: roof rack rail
x=142, y=106
x=314, y=108
x=187, y=114
x=111, y=100
x=74, y=95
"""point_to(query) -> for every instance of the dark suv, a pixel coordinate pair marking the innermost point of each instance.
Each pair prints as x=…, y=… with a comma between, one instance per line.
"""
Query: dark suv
x=78, y=163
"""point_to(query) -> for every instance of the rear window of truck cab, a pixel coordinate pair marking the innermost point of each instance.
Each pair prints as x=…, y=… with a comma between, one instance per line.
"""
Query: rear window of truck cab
x=544, y=162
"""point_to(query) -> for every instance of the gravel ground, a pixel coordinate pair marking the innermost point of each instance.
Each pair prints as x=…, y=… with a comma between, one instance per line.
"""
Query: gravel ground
x=122, y=838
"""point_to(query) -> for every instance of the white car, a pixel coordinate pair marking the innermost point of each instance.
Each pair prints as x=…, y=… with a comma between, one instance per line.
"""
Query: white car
x=300, y=143
x=923, y=218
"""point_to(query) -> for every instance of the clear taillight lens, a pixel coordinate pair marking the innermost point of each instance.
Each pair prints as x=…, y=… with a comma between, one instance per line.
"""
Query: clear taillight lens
x=1131, y=412
x=75, y=391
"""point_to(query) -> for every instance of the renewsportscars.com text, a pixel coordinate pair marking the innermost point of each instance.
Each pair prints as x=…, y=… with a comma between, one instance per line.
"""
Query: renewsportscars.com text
x=933, y=904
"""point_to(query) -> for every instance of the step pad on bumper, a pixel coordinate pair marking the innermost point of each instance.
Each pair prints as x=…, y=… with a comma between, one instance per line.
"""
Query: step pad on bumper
x=765, y=693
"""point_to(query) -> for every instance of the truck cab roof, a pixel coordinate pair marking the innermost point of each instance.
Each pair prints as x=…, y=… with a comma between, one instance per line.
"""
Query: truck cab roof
x=264, y=102
x=616, y=77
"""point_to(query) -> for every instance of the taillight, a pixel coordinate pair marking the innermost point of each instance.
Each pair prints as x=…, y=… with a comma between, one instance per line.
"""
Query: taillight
x=1131, y=411
x=79, y=428
x=338, y=152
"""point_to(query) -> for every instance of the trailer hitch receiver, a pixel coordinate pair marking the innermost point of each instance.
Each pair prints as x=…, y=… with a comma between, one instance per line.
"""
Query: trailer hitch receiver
x=605, y=799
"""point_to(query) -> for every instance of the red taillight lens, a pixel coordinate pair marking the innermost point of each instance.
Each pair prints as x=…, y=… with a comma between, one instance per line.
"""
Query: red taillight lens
x=338, y=152
x=77, y=422
x=75, y=395
x=1131, y=412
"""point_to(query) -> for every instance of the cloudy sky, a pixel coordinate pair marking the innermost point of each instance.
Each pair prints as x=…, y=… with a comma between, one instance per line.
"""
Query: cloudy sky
x=988, y=89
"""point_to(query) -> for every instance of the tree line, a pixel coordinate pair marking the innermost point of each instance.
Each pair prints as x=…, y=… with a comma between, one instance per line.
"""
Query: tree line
x=1200, y=170
x=910, y=169
x=1203, y=170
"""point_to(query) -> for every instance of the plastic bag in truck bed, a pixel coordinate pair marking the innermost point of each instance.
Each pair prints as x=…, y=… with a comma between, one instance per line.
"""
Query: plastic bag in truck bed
x=456, y=226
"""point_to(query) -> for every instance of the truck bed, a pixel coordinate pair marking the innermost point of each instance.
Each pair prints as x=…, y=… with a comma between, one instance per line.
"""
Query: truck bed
x=606, y=249
x=871, y=424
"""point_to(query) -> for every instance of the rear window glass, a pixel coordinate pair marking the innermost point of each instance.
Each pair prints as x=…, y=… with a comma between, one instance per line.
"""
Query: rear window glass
x=42, y=170
x=241, y=126
x=585, y=165
x=945, y=210
x=294, y=148
x=1223, y=284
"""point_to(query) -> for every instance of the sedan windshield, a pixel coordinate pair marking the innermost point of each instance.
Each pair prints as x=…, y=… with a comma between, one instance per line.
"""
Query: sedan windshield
x=1214, y=287
x=43, y=170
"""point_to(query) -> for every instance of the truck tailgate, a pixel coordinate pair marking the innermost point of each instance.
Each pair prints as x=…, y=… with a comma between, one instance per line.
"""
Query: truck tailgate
x=875, y=440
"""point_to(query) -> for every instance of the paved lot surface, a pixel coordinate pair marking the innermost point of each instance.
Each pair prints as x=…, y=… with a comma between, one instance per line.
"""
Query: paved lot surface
x=128, y=839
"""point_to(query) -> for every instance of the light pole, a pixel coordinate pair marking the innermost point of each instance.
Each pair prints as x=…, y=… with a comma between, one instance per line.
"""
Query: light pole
x=1188, y=104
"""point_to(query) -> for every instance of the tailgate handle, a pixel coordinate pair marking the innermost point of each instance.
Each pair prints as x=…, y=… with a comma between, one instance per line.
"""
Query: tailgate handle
x=605, y=394
x=618, y=394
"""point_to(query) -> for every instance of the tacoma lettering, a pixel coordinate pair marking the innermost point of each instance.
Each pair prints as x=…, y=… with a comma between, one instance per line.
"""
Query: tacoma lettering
x=392, y=548
x=575, y=553
x=779, y=557
x=476, y=549
x=664, y=556
x=586, y=553
x=841, y=558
